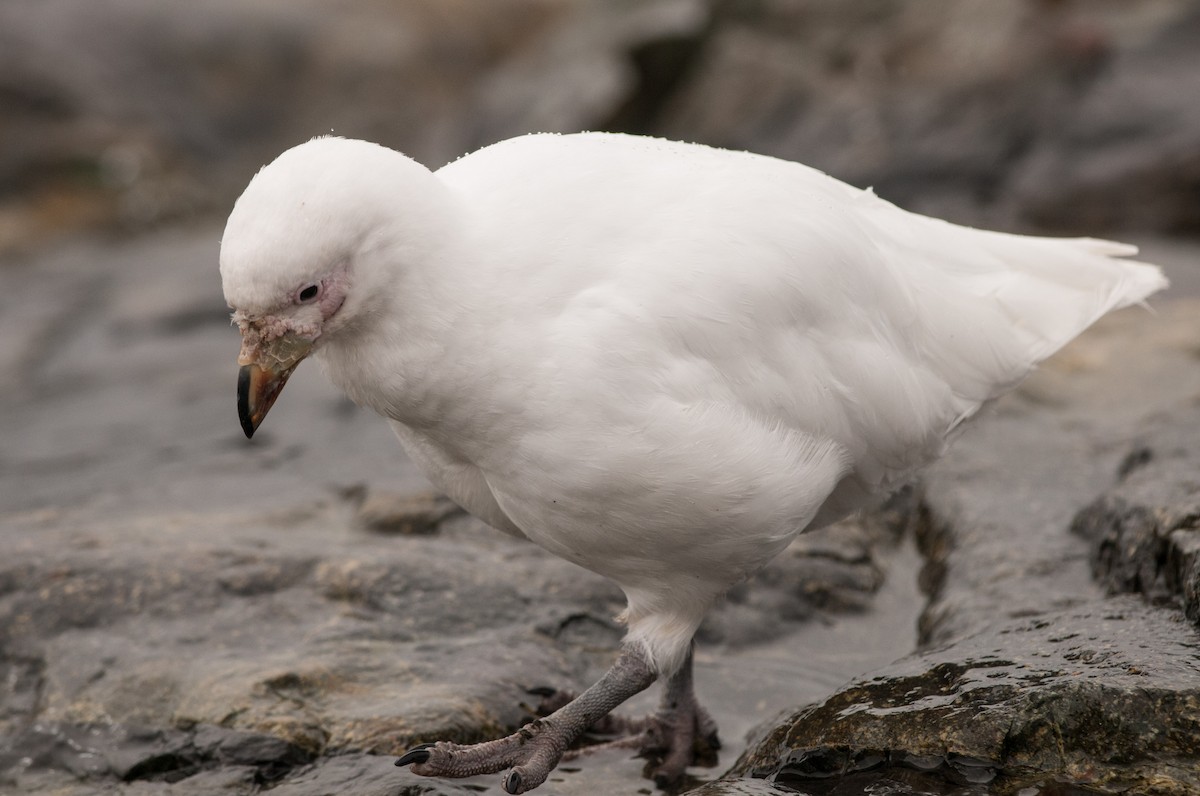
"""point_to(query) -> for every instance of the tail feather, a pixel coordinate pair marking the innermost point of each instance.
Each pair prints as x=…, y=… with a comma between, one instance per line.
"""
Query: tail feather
x=1049, y=289
x=996, y=304
x=1142, y=279
x=1059, y=287
x=1107, y=248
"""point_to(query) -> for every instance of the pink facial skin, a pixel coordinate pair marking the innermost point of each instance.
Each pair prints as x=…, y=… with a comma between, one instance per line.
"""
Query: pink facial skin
x=258, y=331
x=332, y=290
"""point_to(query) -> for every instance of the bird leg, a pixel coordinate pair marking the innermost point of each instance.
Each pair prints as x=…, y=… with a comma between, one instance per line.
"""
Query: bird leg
x=681, y=731
x=679, y=734
x=535, y=749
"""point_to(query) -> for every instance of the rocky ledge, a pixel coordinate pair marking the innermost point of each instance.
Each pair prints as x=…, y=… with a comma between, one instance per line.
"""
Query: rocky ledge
x=1031, y=677
x=186, y=612
x=183, y=612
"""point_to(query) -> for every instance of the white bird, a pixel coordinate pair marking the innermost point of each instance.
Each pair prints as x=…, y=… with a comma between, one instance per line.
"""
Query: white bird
x=657, y=360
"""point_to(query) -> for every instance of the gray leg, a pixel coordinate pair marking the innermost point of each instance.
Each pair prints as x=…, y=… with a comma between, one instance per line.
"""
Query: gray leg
x=679, y=734
x=534, y=750
x=681, y=731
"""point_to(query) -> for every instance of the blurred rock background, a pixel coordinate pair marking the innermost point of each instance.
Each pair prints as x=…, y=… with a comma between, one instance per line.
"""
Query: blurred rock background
x=1050, y=114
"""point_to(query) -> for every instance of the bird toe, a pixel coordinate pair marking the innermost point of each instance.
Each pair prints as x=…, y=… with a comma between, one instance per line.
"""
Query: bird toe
x=416, y=755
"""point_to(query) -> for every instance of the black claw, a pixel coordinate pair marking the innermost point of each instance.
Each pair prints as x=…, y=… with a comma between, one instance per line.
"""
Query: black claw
x=418, y=754
x=512, y=783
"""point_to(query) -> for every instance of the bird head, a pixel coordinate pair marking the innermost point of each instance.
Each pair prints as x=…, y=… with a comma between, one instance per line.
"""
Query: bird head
x=276, y=339
x=302, y=254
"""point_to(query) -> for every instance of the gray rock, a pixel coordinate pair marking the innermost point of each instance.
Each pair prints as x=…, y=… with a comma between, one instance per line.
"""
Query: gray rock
x=140, y=112
x=999, y=114
x=1029, y=674
x=393, y=513
x=183, y=611
x=1144, y=531
x=1100, y=696
x=174, y=675
x=1122, y=153
x=184, y=605
x=1072, y=115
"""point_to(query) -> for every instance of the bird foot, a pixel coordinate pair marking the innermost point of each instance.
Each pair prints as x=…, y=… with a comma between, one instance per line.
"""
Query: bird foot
x=531, y=752
x=677, y=737
x=674, y=737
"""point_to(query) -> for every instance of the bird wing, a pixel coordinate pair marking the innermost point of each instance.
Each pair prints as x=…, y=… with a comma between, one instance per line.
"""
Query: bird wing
x=716, y=278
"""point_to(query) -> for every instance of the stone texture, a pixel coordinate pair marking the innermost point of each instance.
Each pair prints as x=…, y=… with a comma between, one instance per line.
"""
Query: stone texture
x=1145, y=531
x=1060, y=114
x=1104, y=696
x=136, y=112
x=1070, y=115
x=169, y=653
x=184, y=611
x=395, y=513
x=1029, y=673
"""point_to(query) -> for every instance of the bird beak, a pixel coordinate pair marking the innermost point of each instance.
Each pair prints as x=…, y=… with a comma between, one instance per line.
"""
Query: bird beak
x=266, y=367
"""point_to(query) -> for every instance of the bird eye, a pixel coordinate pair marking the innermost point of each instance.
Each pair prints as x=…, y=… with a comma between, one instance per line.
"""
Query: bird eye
x=308, y=294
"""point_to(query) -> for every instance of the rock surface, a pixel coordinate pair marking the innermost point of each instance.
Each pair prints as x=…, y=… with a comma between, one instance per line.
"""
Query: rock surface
x=1066, y=115
x=138, y=112
x=1145, y=531
x=185, y=611
x=1029, y=674
x=1075, y=116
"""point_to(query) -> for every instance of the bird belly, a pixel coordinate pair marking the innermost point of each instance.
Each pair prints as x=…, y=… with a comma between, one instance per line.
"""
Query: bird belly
x=703, y=492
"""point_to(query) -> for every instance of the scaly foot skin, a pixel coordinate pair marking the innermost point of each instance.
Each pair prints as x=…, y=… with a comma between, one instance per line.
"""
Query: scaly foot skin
x=614, y=724
x=533, y=751
x=679, y=734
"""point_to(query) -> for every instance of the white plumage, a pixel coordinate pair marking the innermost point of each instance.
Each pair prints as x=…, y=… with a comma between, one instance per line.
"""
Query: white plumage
x=658, y=360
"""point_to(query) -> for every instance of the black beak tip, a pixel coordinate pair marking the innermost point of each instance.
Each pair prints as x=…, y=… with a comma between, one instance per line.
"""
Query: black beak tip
x=243, y=391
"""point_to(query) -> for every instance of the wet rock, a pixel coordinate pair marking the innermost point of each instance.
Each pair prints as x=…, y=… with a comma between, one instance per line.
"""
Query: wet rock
x=251, y=668
x=740, y=787
x=186, y=612
x=1098, y=696
x=833, y=569
x=357, y=654
x=1030, y=675
x=366, y=775
x=130, y=753
x=1145, y=531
